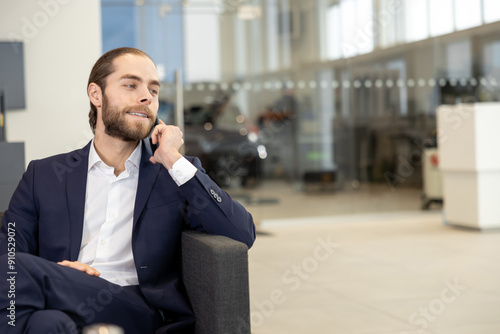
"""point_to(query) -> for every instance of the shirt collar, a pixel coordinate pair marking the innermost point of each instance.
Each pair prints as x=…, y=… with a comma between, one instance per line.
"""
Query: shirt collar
x=134, y=158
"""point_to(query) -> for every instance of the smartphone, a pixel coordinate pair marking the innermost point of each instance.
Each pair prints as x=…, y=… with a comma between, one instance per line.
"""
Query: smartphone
x=154, y=146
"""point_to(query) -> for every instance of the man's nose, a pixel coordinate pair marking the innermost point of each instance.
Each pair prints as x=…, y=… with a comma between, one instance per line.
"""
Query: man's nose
x=145, y=97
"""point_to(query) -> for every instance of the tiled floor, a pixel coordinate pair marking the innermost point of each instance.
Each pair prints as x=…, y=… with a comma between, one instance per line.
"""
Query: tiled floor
x=343, y=270
x=275, y=200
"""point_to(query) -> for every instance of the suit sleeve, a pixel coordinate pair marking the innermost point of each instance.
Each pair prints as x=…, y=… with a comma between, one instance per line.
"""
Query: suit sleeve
x=20, y=221
x=212, y=210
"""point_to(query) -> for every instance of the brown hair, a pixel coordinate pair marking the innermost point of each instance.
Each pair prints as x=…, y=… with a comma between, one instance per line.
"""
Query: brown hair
x=102, y=69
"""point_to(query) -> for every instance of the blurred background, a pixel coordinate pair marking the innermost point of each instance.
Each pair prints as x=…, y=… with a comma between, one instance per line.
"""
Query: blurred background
x=321, y=118
x=313, y=95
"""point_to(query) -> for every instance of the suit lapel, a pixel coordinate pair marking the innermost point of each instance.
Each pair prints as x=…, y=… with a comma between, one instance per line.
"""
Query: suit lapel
x=75, y=191
x=148, y=173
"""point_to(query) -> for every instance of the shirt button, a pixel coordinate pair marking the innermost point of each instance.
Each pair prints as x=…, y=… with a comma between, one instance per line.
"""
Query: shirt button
x=104, y=242
x=178, y=173
x=112, y=215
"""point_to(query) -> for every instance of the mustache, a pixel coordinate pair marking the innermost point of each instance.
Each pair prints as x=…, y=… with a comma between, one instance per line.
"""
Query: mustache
x=142, y=108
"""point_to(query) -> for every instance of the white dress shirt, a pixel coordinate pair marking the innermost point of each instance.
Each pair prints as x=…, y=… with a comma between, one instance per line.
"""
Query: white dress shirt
x=109, y=211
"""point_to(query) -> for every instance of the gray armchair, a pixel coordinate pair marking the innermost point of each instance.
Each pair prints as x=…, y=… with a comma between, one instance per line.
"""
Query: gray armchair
x=215, y=272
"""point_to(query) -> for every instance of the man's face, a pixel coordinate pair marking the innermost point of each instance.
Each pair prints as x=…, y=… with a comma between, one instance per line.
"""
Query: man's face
x=130, y=100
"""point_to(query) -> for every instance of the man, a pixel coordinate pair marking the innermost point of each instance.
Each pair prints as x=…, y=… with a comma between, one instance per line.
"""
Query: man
x=97, y=230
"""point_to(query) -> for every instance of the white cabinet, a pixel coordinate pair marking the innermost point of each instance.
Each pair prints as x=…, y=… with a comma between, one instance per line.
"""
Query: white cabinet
x=469, y=148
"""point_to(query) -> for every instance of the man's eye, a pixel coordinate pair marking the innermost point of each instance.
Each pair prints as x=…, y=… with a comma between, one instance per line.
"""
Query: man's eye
x=130, y=86
x=154, y=91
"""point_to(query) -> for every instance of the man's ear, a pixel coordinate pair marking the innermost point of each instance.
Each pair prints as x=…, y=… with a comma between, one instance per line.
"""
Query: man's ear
x=95, y=94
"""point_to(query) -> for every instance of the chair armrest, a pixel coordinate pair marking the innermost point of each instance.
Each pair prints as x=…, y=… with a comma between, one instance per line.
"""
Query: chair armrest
x=215, y=273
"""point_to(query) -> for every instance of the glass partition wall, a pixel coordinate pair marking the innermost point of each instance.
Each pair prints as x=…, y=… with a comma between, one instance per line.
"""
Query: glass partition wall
x=317, y=90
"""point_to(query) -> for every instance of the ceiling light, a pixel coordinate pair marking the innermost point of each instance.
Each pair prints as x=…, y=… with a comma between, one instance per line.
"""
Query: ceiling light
x=249, y=12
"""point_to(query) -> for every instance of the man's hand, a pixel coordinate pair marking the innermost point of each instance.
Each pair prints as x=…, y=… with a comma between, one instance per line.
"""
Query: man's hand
x=170, y=140
x=80, y=266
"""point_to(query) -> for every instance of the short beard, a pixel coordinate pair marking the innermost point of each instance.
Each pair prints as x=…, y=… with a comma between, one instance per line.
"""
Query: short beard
x=115, y=123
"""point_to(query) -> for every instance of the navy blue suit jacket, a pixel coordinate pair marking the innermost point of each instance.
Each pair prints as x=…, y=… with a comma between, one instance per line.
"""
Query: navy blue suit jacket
x=48, y=210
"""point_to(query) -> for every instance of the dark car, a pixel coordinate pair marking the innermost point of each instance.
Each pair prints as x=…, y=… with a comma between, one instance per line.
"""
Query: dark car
x=225, y=142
